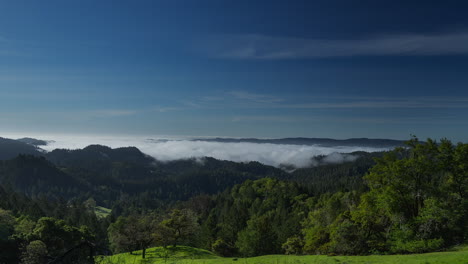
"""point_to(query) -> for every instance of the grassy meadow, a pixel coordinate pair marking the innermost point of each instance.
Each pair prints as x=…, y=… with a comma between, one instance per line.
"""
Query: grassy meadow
x=188, y=255
x=102, y=212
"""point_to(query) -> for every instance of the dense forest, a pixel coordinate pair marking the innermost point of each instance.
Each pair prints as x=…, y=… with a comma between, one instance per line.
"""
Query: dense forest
x=412, y=199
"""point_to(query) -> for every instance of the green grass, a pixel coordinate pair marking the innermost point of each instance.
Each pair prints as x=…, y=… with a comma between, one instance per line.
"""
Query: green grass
x=102, y=212
x=188, y=255
x=180, y=254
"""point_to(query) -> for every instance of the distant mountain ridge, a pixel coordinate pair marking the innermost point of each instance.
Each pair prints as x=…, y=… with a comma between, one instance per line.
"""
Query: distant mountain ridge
x=95, y=153
x=109, y=174
x=324, y=142
x=33, y=141
x=10, y=148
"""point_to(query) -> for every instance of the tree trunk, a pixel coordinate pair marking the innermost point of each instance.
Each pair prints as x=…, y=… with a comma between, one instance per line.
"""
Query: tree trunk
x=143, y=255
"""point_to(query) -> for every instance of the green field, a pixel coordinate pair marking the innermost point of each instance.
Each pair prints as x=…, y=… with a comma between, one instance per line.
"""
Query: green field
x=188, y=255
x=102, y=212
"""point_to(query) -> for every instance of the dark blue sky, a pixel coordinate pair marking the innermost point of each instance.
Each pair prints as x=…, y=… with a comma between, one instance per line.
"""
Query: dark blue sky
x=381, y=69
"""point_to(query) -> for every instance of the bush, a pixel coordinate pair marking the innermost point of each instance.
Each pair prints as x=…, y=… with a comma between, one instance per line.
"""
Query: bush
x=293, y=245
x=34, y=253
x=417, y=246
x=222, y=248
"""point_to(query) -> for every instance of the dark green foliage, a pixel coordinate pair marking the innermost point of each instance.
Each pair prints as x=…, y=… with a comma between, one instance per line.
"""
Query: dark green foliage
x=326, y=228
x=182, y=225
x=58, y=236
x=416, y=203
x=129, y=181
x=258, y=238
x=34, y=253
x=345, y=176
x=125, y=178
x=35, y=176
x=36, y=219
x=7, y=222
x=410, y=200
x=424, y=209
x=222, y=248
x=254, y=218
x=294, y=245
x=8, y=247
x=134, y=232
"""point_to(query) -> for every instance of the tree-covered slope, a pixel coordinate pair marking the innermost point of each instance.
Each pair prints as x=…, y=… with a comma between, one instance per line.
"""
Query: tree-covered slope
x=10, y=148
x=34, y=175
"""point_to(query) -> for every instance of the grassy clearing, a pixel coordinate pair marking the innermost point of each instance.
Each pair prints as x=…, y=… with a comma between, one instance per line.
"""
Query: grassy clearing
x=188, y=255
x=180, y=254
x=102, y=212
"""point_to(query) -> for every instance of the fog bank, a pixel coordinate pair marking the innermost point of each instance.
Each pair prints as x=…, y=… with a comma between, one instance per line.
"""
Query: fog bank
x=166, y=149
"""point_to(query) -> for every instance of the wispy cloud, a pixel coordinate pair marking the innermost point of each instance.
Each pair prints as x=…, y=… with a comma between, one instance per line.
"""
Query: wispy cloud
x=212, y=98
x=274, y=118
x=191, y=104
x=131, y=112
x=407, y=120
x=242, y=99
x=112, y=113
x=252, y=46
x=164, y=109
x=259, y=98
x=377, y=104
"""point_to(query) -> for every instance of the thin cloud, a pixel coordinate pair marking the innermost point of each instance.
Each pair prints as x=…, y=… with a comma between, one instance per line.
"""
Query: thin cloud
x=274, y=118
x=247, y=100
x=335, y=158
x=112, y=113
x=259, y=98
x=164, y=109
x=252, y=46
x=191, y=104
x=212, y=98
x=269, y=101
x=241, y=99
x=378, y=104
x=408, y=120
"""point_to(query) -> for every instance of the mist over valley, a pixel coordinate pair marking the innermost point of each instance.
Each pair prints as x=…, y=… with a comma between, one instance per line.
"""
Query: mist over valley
x=290, y=152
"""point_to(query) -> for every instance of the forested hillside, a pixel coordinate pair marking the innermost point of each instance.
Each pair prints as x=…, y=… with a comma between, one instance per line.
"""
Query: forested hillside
x=41, y=230
x=409, y=200
x=109, y=174
x=10, y=148
x=36, y=176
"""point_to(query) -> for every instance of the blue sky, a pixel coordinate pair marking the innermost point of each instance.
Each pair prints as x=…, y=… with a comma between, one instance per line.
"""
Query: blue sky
x=341, y=69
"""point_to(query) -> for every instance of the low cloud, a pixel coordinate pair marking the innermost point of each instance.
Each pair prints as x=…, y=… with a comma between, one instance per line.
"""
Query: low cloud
x=167, y=149
x=336, y=157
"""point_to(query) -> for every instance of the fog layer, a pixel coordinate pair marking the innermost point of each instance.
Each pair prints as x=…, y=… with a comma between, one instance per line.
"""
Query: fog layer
x=166, y=149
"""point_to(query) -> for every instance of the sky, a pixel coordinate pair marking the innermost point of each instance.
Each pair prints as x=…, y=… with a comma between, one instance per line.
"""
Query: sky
x=267, y=69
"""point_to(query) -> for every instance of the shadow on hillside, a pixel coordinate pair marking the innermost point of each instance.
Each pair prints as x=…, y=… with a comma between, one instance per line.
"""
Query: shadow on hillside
x=174, y=253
